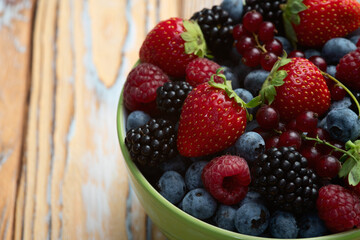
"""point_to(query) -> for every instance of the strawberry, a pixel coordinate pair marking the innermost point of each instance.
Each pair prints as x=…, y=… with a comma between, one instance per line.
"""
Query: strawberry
x=313, y=22
x=172, y=44
x=212, y=119
x=296, y=85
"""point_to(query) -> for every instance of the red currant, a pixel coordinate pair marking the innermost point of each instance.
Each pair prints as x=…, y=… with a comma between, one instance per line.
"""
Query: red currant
x=311, y=153
x=267, y=117
x=332, y=151
x=239, y=31
x=268, y=60
x=291, y=125
x=266, y=31
x=245, y=43
x=337, y=92
x=319, y=62
x=251, y=57
x=290, y=138
x=275, y=47
x=327, y=166
x=265, y=134
x=252, y=21
x=272, y=142
x=306, y=121
x=296, y=53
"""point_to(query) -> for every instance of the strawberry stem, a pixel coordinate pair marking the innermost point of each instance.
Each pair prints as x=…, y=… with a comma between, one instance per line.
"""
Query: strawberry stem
x=345, y=88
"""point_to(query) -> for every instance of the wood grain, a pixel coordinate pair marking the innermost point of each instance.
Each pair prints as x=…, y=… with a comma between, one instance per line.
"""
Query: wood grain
x=61, y=170
x=15, y=47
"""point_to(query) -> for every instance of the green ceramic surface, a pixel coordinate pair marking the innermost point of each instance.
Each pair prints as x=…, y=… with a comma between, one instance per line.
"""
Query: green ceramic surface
x=173, y=222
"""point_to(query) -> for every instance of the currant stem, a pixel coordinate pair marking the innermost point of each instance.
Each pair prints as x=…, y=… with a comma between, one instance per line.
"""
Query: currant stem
x=262, y=48
x=345, y=88
x=318, y=140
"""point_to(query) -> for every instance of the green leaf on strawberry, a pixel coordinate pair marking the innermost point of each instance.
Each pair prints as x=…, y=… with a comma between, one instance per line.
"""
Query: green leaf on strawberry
x=291, y=16
x=275, y=79
x=194, y=39
x=226, y=86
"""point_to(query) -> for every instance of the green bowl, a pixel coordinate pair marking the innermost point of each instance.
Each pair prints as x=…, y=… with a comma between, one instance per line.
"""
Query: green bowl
x=173, y=222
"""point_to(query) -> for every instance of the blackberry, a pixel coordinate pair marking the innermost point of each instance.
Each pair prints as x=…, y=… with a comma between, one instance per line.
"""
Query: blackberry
x=170, y=98
x=153, y=143
x=281, y=176
x=217, y=27
x=269, y=9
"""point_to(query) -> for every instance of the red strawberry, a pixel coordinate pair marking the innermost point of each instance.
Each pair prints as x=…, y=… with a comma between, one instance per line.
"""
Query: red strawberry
x=348, y=69
x=200, y=71
x=294, y=86
x=212, y=118
x=172, y=44
x=140, y=87
x=316, y=21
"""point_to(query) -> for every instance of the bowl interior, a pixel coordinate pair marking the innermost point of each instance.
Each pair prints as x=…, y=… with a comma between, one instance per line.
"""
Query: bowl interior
x=173, y=222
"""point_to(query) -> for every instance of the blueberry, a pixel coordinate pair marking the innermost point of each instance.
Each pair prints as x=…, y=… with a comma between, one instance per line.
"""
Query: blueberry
x=252, y=219
x=249, y=146
x=355, y=39
x=230, y=75
x=178, y=164
x=252, y=197
x=241, y=70
x=343, y=124
x=331, y=69
x=336, y=48
x=285, y=43
x=136, y=119
x=234, y=8
x=244, y=94
x=199, y=203
x=344, y=103
x=250, y=126
x=311, y=52
x=193, y=175
x=283, y=225
x=171, y=186
x=254, y=81
x=224, y=217
x=310, y=225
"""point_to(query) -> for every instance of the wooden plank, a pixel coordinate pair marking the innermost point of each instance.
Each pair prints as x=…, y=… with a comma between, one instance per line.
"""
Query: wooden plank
x=15, y=47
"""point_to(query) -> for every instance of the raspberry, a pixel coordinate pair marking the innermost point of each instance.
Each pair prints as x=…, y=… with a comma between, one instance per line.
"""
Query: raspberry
x=200, y=70
x=140, y=87
x=227, y=178
x=348, y=69
x=339, y=208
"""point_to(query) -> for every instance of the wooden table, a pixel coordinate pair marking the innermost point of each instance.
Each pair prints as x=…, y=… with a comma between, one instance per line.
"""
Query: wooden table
x=63, y=64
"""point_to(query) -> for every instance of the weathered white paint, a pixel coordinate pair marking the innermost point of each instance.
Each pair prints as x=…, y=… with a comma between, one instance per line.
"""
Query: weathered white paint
x=4, y=156
x=10, y=12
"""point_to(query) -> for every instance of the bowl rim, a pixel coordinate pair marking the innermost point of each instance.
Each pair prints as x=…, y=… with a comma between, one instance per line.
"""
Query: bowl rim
x=120, y=123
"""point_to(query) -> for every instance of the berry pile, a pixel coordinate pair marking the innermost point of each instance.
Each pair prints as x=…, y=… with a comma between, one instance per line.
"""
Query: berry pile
x=247, y=116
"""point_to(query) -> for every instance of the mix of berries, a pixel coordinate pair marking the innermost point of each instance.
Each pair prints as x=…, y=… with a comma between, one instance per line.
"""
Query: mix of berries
x=247, y=116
